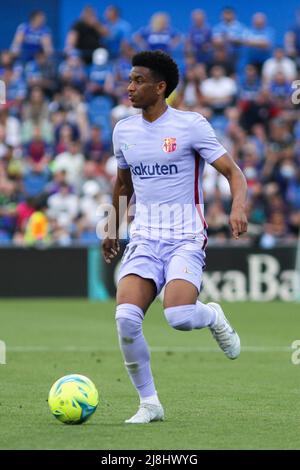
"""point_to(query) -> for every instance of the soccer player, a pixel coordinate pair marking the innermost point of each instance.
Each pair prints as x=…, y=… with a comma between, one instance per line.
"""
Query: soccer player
x=161, y=154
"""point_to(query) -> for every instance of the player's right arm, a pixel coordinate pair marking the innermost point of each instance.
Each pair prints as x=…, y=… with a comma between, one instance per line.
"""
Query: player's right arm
x=123, y=188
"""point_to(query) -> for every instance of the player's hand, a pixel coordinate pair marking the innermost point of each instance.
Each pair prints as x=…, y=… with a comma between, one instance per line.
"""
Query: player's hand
x=110, y=249
x=238, y=222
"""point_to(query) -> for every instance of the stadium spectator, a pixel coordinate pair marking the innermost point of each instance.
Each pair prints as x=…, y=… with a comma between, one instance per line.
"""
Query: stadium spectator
x=24, y=210
x=41, y=72
x=188, y=93
x=229, y=32
x=259, y=39
x=4, y=146
x=218, y=90
x=94, y=149
x=292, y=40
x=11, y=125
x=280, y=90
x=16, y=89
x=63, y=208
x=35, y=178
x=8, y=201
x=72, y=71
x=279, y=63
x=7, y=60
x=72, y=162
x=221, y=56
x=91, y=172
x=65, y=133
x=159, y=34
x=72, y=101
x=249, y=84
x=118, y=31
x=91, y=199
x=36, y=108
x=293, y=187
x=258, y=111
x=217, y=221
x=199, y=37
x=32, y=37
x=122, y=110
x=121, y=69
x=59, y=177
x=86, y=34
x=101, y=81
x=275, y=230
x=37, y=149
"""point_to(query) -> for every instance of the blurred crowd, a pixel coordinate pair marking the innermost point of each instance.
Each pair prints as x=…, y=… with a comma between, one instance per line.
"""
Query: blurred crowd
x=56, y=163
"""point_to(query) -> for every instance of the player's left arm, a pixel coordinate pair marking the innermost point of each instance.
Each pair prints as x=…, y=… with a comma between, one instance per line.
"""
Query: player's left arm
x=238, y=187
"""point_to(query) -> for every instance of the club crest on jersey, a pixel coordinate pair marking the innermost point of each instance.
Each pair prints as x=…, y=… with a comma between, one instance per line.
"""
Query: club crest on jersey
x=169, y=144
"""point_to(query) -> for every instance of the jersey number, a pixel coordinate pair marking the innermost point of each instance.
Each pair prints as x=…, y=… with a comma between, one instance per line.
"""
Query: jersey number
x=129, y=250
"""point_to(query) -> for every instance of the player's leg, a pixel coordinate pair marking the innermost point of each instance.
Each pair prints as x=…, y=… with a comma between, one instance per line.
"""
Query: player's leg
x=136, y=290
x=182, y=309
x=140, y=279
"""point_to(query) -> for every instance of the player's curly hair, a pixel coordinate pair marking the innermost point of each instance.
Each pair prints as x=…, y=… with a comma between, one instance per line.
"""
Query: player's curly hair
x=162, y=66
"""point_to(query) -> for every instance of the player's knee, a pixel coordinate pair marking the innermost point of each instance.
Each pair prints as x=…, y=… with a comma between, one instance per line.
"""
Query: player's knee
x=180, y=317
x=129, y=324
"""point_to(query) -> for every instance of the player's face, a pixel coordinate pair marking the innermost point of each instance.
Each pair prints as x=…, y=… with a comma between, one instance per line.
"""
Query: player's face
x=143, y=90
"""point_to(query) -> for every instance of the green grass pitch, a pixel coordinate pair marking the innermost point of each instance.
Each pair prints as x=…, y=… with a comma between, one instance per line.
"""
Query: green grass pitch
x=210, y=401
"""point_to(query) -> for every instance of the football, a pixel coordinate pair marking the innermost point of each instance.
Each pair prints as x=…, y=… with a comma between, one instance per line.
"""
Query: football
x=73, y=399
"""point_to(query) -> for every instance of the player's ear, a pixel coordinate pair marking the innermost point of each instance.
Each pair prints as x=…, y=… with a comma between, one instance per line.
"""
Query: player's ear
x=161, y=87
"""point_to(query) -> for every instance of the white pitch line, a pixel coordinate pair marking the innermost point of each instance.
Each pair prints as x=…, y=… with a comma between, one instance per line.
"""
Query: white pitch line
x=161, y=349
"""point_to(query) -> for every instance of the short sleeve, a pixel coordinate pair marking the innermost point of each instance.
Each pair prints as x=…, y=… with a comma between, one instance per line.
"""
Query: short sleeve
x=204, y=140
x=21, y=28
x=117, y=150
x=217, y=31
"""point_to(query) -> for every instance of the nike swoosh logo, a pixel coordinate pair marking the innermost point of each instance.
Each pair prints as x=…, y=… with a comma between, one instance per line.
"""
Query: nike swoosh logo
x=186, y=271
x=128, y=146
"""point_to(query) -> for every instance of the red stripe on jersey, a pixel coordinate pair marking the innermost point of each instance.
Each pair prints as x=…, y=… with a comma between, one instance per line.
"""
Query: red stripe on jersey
x=196, y=190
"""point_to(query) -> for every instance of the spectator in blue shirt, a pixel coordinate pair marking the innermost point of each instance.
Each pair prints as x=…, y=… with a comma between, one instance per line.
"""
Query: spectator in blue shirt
x=199, y=39
x=7, y=61
x=118, y=29
x=122, y=67
x=41, y=72
x=100, y=76
x=229, y=32
x=35, y=179
x=280, y=90
x=16, y=90
x=159, y=34
x=250, y=84
x=259, y=39
x=72, y=71
x=292, y=40
x=32, y=37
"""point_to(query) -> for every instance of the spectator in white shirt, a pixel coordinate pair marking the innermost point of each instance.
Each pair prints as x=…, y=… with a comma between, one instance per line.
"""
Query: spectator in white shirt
x=123, y=110
x=279, y=63
x=63, y=207
x=219, y=90
x=11, y=125
x=72, y=162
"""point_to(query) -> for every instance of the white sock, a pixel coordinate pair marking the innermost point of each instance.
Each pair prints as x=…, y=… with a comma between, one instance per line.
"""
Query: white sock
x=152, y=400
